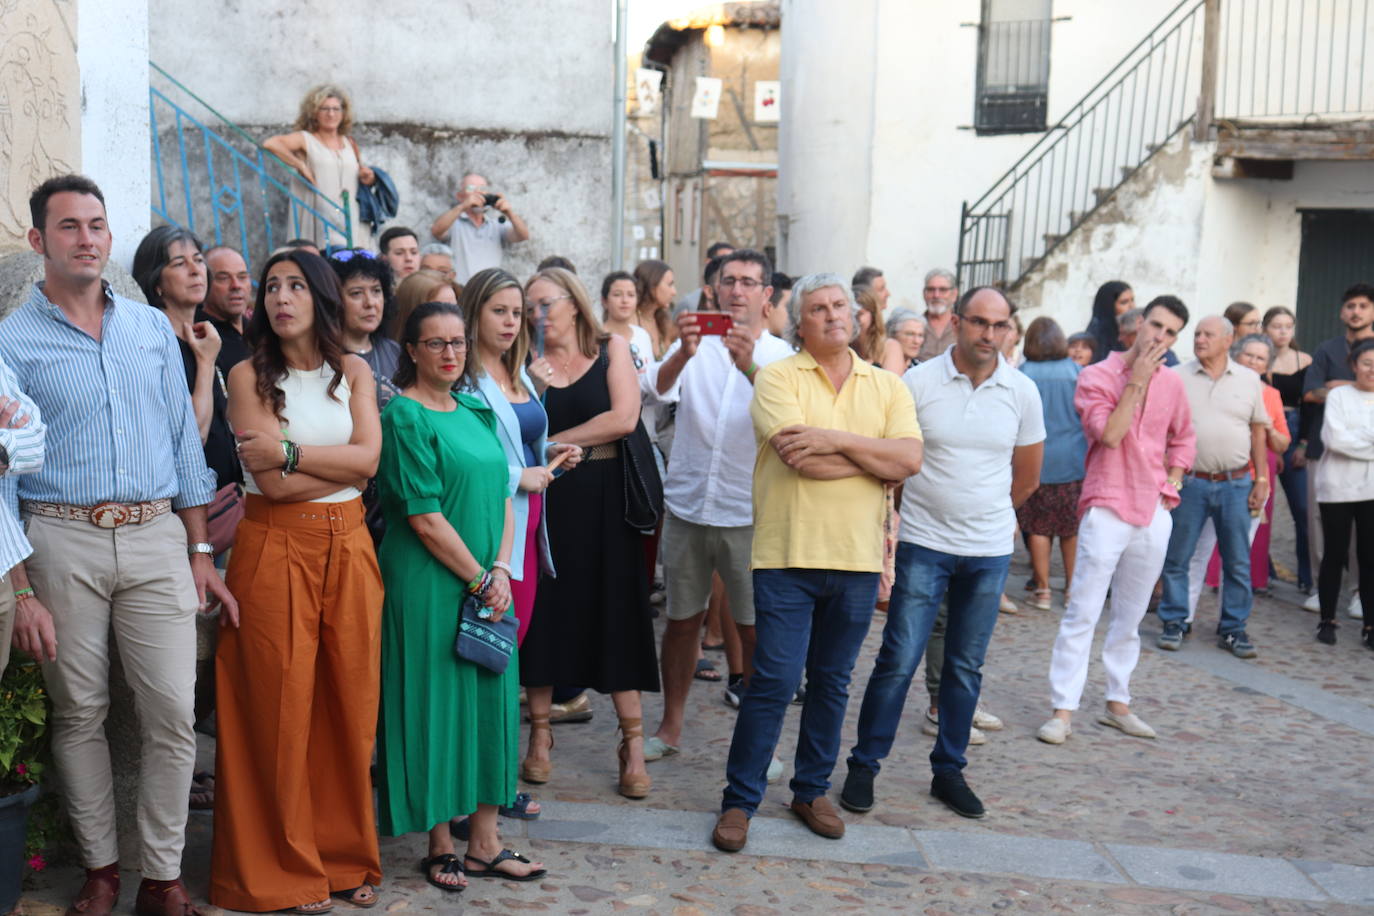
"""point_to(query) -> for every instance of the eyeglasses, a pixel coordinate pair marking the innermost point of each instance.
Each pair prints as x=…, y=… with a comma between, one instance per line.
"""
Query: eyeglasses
x=940, y=289
x=331, y=108
x=545, y=305
x=439, y=344
x=748, y=284
x=982, y=324
x=348, y=254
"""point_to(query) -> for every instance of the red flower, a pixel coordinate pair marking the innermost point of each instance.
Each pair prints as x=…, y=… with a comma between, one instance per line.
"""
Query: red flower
x=37, y=862
x=21, y=768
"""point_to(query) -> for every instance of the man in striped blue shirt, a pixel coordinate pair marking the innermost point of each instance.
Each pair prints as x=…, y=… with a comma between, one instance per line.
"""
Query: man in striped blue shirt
x=117, y=507
x=21, y=452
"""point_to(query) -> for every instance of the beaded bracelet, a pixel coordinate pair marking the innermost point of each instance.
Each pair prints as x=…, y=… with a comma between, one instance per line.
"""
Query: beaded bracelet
x=23, y=593
x=292, y=455
x=480, y=585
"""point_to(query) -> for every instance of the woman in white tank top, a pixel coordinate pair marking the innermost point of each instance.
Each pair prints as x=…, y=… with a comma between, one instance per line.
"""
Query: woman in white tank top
x=298, y=680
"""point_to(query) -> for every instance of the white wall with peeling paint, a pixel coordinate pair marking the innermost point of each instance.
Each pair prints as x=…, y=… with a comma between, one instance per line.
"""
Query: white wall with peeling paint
x=1173, y=228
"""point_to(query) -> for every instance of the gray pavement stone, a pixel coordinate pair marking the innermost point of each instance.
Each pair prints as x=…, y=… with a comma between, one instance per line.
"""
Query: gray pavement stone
x=949, y=850
x=1347, y=883
x=1197, y=870
x=1201, y=654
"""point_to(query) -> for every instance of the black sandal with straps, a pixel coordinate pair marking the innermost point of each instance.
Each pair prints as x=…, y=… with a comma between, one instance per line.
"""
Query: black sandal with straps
x=489, y=869
x=450, y=865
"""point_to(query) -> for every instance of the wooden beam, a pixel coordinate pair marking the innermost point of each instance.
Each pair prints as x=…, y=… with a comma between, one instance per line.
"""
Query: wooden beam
x=1333, y=144
x=1211, y=45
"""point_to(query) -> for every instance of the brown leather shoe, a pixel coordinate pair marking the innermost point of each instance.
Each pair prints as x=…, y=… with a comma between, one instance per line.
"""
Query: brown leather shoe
x=732, y=830
x=98, y=895
x=158, y=898
x=820, y=815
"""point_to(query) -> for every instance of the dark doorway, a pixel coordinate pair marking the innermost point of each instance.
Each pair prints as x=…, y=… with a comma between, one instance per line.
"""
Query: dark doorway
x=1337, y=252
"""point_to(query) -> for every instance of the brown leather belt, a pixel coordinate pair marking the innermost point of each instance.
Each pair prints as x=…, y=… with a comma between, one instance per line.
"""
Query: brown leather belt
x=602, y=452
x=1224, y=475
x=105, y=515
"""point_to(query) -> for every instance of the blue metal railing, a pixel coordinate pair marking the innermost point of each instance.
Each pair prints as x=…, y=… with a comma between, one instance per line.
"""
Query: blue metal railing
x=221, y=184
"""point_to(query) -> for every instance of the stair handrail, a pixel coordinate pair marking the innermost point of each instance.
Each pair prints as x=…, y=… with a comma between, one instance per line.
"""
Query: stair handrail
x=339, y=219
x=1055, y=131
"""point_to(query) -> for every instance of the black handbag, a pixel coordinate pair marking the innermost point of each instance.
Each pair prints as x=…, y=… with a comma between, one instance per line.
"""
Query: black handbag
x=482, y=642
x=643, y=486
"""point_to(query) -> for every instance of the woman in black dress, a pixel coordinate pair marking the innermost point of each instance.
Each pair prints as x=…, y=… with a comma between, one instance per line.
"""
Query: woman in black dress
x=591, y=624
x=1286, y=373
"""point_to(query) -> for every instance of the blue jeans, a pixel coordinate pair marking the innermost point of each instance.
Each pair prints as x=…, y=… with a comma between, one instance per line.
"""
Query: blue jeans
x=811, y=619
x=973, y=587
x=1294, y=482
x=1225, y=502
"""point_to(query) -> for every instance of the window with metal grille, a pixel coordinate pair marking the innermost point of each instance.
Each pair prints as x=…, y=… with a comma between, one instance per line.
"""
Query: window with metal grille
x=1013, y=67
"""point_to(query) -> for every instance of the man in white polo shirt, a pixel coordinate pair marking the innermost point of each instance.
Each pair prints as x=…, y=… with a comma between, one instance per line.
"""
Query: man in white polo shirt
x=708, y=490
x=984, y=441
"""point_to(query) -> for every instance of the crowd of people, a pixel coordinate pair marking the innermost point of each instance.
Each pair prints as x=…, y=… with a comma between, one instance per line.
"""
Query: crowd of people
x=422, y=494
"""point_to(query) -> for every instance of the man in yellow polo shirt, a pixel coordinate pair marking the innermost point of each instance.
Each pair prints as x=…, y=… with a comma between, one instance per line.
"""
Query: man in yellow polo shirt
x=831, y=430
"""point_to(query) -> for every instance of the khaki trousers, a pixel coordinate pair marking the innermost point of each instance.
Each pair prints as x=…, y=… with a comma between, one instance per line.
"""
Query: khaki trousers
x=135, y=580
x=6, y=620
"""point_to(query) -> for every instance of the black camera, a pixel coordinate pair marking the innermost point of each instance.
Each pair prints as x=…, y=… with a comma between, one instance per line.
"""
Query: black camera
x=489, y=200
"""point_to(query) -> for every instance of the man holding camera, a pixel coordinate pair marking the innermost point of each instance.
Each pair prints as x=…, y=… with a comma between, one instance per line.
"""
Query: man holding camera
x=709, y=524
x=478, y=242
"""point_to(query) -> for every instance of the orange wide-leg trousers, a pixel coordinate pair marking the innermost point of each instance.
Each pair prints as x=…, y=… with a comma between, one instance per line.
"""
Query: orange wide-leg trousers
x=297, y=687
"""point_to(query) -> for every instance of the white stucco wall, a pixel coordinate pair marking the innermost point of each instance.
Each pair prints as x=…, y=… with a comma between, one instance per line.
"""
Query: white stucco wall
x=112, y=55
x=917, y=61
x=825, y=138
x=519, y=90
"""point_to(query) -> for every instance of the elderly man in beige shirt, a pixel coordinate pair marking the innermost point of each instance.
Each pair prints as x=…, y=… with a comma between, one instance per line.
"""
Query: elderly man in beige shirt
x=1227, y=484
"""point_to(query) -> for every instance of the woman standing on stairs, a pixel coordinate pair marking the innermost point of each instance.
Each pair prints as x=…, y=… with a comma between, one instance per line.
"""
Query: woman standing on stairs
x=323, y=150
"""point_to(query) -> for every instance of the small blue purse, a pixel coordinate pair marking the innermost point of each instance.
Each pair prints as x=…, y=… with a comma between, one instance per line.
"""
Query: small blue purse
x=482, y=642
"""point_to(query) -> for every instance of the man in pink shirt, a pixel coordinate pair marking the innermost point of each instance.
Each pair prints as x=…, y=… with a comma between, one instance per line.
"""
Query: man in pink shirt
x=1138, y=423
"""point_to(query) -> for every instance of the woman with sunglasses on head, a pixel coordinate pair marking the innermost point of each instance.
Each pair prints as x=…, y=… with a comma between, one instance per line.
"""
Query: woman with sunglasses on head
x=297, y=681
x=367, y=309
x=591, y=625
x=449, y=736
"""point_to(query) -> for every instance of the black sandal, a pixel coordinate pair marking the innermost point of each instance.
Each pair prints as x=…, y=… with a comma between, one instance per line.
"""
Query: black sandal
x=449, y=861
x=350, y=896
x=706, y=671
x=489, y=869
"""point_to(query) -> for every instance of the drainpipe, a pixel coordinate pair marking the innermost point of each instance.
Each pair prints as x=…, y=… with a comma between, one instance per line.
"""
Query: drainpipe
x=618, y=140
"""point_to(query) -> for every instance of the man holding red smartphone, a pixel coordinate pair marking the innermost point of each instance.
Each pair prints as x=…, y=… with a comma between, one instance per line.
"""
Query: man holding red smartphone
x=708, y=489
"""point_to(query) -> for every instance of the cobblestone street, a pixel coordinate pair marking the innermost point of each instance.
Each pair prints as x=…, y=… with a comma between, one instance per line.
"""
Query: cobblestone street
x=1255, y=798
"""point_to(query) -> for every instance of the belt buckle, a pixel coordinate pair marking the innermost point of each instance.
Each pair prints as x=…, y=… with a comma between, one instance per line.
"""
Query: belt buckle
x=110, y=515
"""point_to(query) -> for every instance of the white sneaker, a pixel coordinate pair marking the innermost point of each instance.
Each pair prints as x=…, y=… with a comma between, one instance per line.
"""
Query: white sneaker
x=775, y=770
x=1356, y=609
x=1054, y=731
x=931, y=726
x=986, y=720
x=1313, y=603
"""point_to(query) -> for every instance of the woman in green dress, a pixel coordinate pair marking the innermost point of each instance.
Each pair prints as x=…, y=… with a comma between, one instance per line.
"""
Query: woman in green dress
x=448, y=734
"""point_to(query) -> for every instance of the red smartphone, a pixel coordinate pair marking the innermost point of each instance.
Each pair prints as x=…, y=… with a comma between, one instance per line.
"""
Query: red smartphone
x=713, y=322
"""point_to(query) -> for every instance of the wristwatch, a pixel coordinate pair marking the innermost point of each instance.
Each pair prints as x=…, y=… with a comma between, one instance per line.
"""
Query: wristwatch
x=201, y=547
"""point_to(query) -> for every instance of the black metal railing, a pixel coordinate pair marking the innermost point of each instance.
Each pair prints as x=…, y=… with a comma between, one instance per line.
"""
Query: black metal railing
x=1294, y=58
x=1136, y=108
x=1274, y=59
